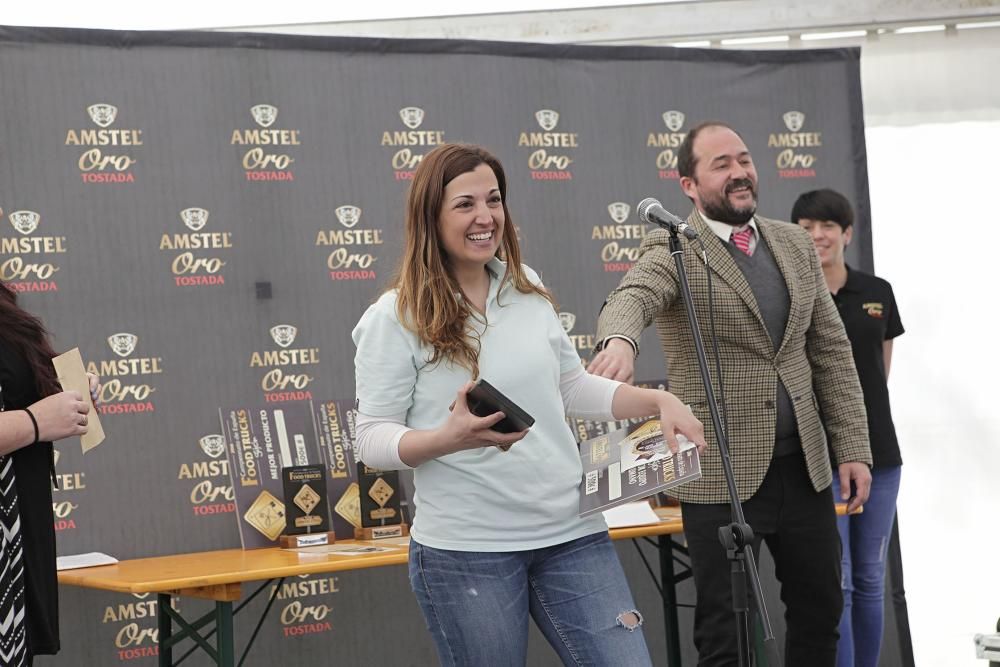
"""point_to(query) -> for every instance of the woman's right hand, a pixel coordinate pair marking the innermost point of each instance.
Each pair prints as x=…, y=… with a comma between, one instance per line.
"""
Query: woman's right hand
x=464, y=430
x=60, y=416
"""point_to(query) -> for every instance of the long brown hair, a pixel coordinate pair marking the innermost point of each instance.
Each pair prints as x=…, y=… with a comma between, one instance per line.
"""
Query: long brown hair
x=428, y=303
x=27, y=335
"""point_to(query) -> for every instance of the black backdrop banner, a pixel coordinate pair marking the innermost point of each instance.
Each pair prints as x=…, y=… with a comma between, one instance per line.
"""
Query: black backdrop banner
x=206, y=215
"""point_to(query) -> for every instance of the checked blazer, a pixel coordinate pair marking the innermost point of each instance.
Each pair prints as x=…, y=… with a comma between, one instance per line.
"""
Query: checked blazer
x=813, y=361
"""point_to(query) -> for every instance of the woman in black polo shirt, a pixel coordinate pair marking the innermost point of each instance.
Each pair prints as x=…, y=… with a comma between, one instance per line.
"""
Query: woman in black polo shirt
x=868, y=309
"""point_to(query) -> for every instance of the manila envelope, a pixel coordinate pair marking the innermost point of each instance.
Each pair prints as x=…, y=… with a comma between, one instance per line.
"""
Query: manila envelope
x=71, y=374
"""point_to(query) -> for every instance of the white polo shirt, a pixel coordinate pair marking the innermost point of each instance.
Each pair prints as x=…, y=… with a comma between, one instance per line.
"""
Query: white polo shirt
x=483, y=499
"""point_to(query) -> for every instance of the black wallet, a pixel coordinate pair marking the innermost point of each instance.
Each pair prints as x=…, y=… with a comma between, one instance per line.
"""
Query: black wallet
x=484, y=400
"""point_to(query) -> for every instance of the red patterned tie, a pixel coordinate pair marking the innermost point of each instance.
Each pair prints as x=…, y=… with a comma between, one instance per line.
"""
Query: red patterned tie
x=741, y=239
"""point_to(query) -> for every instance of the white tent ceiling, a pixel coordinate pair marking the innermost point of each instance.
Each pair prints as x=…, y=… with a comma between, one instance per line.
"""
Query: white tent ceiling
x=196, y=14
x=582, y=21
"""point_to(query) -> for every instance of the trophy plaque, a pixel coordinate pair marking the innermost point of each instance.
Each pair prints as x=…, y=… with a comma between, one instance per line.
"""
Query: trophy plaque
x=349, y=505
x=380, y=504
x=267, y=515
x=307, y=521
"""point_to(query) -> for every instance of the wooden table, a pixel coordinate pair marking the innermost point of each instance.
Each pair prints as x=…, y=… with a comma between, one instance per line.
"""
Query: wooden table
x=220, y=575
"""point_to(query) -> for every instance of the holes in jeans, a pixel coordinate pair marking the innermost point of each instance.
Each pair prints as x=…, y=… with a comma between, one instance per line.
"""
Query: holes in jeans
x=630, y=620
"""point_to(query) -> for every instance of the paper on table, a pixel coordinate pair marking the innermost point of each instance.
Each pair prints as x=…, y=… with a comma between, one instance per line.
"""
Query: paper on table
x=91, y=559
x=71, y=374
x=630, y=514
x=342, y=549
x=403, y=541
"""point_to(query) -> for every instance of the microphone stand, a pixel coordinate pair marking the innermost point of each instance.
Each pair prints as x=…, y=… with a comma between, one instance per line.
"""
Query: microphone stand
x=737, y=537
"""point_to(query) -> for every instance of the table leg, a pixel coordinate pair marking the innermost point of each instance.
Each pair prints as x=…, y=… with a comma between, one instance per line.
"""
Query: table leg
x=224, y=639
x=667, y=585
x=163, y=626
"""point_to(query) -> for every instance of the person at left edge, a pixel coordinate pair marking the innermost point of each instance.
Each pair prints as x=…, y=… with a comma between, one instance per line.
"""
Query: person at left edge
x=496, y=536
x=33, y=413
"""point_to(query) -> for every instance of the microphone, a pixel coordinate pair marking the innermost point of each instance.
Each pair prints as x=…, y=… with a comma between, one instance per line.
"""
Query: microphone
x=652, y=212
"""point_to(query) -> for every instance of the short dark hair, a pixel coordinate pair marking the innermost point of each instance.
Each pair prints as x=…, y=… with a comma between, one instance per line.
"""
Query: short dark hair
x=825, y=204
x=686, y=161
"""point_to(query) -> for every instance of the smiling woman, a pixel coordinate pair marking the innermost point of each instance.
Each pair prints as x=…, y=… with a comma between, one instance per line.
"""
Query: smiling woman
x=491, y=503
x=458, y=191
x=471, y=225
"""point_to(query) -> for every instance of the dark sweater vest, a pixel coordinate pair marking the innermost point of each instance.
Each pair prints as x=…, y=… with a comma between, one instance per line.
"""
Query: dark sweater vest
x=771, y=292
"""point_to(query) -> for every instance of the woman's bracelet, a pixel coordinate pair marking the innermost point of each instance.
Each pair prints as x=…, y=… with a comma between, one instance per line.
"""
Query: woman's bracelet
x=34, y=422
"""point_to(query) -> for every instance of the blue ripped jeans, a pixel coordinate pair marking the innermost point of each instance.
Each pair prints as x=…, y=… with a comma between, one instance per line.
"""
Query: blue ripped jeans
x=477, y=603
x=865, y=540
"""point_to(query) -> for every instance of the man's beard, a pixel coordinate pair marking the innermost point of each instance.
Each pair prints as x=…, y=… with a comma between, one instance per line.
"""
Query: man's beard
x=723, y=211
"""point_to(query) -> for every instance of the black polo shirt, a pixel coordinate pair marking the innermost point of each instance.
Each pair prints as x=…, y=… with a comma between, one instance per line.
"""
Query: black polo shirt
x=868, y=309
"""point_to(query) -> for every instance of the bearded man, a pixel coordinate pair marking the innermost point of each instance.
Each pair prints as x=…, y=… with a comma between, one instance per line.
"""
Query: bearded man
x=789, y=383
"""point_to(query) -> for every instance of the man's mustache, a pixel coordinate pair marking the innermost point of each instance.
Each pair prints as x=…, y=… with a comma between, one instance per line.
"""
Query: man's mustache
x=741, y=183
